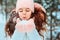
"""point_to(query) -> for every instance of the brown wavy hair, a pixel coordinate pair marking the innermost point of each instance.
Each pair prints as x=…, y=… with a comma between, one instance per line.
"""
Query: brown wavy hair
x=40, y=20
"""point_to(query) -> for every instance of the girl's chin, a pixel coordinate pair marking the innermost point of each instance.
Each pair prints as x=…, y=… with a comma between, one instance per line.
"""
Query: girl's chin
x=24, y=19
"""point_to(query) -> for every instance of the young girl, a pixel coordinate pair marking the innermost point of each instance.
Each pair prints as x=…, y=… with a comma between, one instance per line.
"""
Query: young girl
x=26, y=21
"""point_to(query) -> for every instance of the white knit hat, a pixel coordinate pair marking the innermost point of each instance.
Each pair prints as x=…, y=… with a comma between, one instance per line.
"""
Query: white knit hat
x=25, y=3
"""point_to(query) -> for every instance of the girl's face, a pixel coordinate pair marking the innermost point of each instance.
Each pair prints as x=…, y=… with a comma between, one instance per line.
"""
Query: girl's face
x=24, y=13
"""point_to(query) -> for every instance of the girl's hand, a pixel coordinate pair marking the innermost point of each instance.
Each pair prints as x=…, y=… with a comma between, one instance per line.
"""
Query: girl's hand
x=24, y=25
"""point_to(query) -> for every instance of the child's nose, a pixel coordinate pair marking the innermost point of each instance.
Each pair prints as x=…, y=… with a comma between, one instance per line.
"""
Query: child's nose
x=24, y=12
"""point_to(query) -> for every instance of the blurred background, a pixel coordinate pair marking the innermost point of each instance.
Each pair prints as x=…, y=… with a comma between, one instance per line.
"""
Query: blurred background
x=53, y=16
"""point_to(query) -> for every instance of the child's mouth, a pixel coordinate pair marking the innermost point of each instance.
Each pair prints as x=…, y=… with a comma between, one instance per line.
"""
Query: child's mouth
x=24, y=18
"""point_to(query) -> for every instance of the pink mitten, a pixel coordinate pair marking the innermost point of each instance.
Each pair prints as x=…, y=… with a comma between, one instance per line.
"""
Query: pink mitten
x=25, y=26
x=29, y=25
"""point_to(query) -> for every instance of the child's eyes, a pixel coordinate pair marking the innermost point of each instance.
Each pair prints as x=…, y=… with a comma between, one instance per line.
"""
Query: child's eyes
x=27, y=10
x=20, y=10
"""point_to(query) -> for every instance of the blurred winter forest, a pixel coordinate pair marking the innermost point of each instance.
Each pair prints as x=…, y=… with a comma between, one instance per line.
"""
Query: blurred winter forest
x=53, y=16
